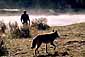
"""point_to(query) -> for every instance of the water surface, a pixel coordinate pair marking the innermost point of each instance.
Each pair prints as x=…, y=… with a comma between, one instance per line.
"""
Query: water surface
x=53, y=20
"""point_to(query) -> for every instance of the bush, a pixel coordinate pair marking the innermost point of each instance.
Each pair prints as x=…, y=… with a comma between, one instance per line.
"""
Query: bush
x=17, y=32
x=2, y=27
x=25, y=32
x=3, y=49
x=40, y=24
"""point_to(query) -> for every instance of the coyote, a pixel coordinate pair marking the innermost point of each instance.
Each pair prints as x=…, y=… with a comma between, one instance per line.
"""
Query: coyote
x=44, y=38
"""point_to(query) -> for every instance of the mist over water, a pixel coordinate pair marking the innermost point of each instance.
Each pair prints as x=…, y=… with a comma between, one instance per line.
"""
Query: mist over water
x=53, y=20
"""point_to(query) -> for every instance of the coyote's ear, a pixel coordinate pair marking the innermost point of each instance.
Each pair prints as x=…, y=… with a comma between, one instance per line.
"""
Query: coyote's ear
x=56, y=31
x=53, y=31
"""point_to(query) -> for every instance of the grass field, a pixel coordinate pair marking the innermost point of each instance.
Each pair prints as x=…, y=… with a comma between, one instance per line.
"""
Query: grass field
x=72, y=44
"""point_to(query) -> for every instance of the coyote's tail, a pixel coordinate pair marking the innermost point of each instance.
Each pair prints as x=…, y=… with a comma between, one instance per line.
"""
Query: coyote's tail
x=34, y=43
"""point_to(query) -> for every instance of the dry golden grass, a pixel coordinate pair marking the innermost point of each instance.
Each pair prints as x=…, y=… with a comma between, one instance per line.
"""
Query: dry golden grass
x=22, y=47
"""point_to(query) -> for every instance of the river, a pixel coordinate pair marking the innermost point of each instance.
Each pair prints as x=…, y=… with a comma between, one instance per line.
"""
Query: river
x=53, y=20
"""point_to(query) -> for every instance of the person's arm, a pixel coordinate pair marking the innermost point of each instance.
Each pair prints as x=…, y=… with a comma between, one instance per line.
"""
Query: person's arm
x=21, y=17
x=28, y=19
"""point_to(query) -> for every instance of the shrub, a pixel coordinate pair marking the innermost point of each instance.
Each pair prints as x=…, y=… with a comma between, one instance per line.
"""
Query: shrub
x=40, y=23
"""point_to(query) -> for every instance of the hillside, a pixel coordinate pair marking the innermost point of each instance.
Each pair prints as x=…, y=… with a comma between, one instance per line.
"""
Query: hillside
x=71, y=43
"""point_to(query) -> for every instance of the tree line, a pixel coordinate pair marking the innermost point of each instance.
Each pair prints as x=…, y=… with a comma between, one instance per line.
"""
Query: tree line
x=44, y=4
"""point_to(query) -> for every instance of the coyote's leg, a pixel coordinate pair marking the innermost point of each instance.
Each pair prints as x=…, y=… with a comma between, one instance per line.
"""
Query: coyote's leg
x=46, y=48
x=38, y=45
x=53, y=45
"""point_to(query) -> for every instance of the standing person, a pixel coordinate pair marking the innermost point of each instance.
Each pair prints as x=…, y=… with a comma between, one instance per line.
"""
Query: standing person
x=25, y=31
x=25, y=18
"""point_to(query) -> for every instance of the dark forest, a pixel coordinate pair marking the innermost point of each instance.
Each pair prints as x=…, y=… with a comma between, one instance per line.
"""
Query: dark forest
x=43, y=4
